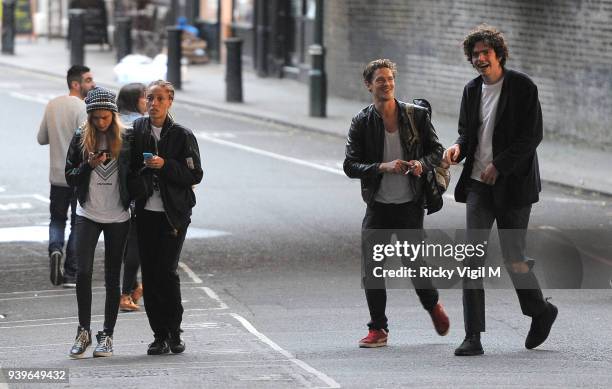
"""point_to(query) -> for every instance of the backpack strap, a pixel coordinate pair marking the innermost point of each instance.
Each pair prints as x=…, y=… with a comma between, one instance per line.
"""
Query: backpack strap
x=413, y=128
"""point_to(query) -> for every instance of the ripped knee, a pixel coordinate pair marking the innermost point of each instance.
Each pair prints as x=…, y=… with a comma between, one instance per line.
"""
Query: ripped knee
x=519, y=267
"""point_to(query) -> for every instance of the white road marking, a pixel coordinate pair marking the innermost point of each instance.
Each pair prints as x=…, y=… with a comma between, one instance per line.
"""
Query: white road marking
x=211, y=293
x=47, y=296
x=15, y=206
x=270, y=154
x=41, y=234
x=565, y=200
x=42, y=198
x=228, y=135
x=330, y=382
x=36, y=292
x=101, y=320
x=190, y=273
x=35, y=99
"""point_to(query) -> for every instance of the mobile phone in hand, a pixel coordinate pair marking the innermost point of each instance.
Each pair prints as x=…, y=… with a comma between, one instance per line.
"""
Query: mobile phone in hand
x=147, y=155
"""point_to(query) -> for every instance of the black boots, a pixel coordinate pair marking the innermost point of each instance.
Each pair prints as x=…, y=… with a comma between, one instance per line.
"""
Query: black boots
x=470, y=346
x=177, y=345
x=158, y=347
x=540, y=326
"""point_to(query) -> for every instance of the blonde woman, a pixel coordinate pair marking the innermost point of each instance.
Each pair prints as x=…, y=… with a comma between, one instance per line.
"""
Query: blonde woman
x=97, y=165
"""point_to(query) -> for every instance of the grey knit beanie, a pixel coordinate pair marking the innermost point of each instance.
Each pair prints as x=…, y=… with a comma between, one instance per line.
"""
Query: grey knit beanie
x=100, y=98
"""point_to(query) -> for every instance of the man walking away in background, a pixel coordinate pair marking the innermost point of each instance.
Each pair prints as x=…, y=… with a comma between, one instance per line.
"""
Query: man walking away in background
x=63, y=115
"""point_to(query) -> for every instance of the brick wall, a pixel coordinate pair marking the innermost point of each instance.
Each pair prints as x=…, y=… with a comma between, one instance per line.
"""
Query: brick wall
x=564, y=45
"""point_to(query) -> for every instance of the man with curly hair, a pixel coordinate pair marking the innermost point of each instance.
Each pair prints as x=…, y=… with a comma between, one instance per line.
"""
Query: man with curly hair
x=500, y=127
x=385, y=154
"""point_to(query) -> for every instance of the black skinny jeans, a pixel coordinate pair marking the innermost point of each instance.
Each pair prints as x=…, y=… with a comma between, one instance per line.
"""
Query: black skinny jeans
x=87, y=234
x=131, y=260
x=512, y=226
x=392, y=217
x=160, y=249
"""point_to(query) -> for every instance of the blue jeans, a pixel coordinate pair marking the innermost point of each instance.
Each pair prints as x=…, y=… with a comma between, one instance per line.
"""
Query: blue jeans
x=61, y=198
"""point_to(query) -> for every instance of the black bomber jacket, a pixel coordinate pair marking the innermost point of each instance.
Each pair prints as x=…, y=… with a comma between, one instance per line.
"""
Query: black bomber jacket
x=181, y=171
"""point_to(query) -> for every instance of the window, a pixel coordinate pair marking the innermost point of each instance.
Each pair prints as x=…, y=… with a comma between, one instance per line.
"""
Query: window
x=243, y=12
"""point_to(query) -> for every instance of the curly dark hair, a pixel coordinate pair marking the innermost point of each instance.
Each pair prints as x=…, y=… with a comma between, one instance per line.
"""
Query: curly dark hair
x=370, y=68
x=489, y=35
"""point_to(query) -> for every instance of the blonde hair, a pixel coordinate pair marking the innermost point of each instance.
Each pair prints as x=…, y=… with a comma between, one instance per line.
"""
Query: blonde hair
x=89, y=137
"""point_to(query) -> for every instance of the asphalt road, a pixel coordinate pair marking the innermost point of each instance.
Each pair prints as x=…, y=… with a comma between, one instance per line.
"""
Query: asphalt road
x=271, y=276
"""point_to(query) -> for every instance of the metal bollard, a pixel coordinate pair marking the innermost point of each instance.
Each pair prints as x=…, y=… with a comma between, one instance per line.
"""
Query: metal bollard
x=8, y=27
x=173, y=73
x=123, y=37
x=77, y=37
x=233, y=70
x=317, y=82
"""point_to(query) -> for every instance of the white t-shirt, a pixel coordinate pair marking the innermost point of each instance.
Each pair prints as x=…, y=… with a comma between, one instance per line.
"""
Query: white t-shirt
x=103, y=203
x=155, y=203
x=63, y=115
x=488, y=110
x=394, y=188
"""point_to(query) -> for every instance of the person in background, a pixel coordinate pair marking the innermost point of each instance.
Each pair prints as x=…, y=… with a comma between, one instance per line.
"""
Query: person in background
x=62, y=115
x=97, y=166
x=132, y=104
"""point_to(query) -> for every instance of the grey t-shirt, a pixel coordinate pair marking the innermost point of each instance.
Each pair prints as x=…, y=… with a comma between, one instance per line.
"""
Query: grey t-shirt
x=103, y=203
x=63, y=115
x=394, y=188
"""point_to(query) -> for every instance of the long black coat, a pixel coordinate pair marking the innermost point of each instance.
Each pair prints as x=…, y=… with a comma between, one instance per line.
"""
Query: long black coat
x=517, y=134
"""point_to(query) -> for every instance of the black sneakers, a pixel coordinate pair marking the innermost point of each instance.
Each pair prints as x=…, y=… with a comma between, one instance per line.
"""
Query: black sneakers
x=471, y=346
x=177, y=345
x=540, y=326
x=158, y=347
x=81, y=342
x=105, y=345
x=55, y=265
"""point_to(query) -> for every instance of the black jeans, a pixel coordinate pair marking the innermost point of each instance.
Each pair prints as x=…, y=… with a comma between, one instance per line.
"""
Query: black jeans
x=61, y=198
x=160, y=249
x=391, y=217
x=480, y=215
x=131, y=260
x=87, y=234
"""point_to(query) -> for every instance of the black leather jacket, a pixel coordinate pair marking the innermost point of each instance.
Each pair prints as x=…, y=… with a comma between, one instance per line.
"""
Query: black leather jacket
x=366, y=141
x=78, y=171
x=182, y=168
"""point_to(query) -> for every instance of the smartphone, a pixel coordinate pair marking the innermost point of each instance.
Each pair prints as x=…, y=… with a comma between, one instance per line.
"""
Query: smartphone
x=147, y=155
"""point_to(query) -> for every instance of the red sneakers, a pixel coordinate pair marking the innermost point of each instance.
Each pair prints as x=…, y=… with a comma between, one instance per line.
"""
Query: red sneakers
x=375, y=338
x=440, y=319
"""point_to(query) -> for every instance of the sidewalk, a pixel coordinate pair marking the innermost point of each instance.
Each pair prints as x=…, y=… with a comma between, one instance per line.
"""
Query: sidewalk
x=286, y=102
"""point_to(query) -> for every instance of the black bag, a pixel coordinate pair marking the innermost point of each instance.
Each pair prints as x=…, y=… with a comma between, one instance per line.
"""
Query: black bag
x=436, y=180
x=140, y=185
